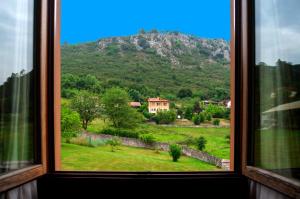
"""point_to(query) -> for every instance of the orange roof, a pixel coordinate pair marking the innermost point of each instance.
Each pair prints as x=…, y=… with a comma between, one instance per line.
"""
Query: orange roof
x=135, y=104
x=157, y=100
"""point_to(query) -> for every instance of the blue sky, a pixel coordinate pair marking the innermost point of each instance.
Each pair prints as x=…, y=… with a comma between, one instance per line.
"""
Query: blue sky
x=90, y=20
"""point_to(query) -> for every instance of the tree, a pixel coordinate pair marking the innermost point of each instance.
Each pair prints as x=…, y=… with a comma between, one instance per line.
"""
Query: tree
x=88, y=107
x=70, y=120
x=117, y=109
x=197, y=108
x=188, y=113
x=201, y=142
x=175, y=152
x=135, y=95
x=165, y=117
x=183, y=93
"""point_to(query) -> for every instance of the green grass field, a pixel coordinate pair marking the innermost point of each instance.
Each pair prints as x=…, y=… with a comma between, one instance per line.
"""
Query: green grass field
x=82, y=158
x=217, y=144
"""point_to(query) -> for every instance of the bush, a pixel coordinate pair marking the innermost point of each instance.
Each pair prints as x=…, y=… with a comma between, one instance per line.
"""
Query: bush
x=196, y=119
x=120, y=133
x=70, y=120
x=113, y=143
x=165, y=117
x=87, y=141
x=188, y=113
x=68, y=135
x=175, y=152
x=199, y=118
x=201, y=142
x=148, y=139
x=216, y=122
x=208, y=117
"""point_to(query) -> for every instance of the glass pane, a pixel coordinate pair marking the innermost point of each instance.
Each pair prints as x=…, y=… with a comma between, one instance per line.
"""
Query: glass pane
x=143, y=82
x=277, y=87
x=16, y=84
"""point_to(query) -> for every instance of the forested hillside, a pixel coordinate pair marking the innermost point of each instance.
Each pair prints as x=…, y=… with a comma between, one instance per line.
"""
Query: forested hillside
x=153, y=63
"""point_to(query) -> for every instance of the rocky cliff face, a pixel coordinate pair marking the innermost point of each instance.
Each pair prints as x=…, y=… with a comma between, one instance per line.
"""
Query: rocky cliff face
x=171, y=45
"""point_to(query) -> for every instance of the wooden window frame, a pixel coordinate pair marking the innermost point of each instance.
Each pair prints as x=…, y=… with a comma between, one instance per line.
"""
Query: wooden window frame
x=18, y=177
x=287, y=186
x=55, y=140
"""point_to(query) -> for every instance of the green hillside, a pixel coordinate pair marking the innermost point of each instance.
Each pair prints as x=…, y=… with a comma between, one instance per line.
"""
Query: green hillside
x=161, y=63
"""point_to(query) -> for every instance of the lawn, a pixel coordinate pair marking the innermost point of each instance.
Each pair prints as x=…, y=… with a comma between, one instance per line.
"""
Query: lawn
x=217, y=144
x=82, y=158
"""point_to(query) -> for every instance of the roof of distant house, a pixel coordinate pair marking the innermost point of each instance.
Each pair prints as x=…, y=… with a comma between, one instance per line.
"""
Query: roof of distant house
x=157, y=99
x=135, y=104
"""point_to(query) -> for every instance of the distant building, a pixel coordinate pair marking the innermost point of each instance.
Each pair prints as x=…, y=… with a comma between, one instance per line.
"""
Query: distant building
x=158, y=104
x=135, y=104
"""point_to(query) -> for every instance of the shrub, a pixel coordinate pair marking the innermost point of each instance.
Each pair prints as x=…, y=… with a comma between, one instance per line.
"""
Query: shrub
x=113, y=143
x=87, y=141
x=165, y=117
x=68, y=135
x=201, y=142
x=120, y=133
x=70, y=120
x=199, y=118
x=216, y=122
x=208, y=117
x=148, y=139
x=196, y=119
x=175, y=152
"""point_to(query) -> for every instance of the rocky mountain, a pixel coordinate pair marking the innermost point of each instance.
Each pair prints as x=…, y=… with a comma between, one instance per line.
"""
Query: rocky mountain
x=171, y=45
x=163, y=62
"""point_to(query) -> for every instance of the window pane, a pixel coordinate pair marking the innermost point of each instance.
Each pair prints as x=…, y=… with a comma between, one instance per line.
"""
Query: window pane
x=277, y=87
x=16, y=84
x=143, y=82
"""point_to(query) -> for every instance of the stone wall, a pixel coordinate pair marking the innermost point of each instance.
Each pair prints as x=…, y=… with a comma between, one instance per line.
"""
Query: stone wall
x=200, y=155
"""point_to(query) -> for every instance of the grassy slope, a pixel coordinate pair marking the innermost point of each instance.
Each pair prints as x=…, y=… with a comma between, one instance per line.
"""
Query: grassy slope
x=83, y=158
x=216, y=142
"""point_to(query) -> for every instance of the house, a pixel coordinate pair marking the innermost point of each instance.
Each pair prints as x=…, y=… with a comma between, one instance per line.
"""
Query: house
x=157, y=104
x=135, y=104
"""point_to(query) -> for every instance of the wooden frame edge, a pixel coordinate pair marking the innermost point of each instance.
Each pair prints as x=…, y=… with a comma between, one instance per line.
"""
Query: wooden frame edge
x=57, y=84
x=20, y=176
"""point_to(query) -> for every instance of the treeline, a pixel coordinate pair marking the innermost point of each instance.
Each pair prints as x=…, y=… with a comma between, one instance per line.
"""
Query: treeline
x=71, y=84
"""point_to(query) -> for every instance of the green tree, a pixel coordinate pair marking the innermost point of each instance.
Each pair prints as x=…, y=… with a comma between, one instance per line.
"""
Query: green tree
x=165, y=117
x=175, y=152
x=197, y=107
x=182, y=93
x=70, y=123
x=201, y=142
x=188, y=113
x=117, y=109
x=88, y=107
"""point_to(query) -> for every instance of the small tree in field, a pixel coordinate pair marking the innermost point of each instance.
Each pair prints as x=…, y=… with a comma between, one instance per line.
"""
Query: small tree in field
x=88, y=107
x=175, y=152
x=70, y=123
x=117, y=109
x=201, y=142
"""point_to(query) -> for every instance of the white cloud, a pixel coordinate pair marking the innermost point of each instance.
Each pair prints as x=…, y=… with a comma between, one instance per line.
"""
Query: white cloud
x=277, y=31
x=16, y=37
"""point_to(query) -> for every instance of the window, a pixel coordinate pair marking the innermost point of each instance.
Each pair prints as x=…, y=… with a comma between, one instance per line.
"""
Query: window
x=18, y=103
x=151, y=62
x=277, y=88
x=23, y=97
